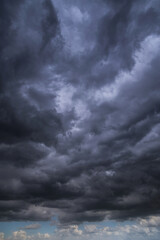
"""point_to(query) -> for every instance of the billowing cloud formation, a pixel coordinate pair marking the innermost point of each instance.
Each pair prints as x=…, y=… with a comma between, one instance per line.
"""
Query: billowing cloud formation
x=80, y=110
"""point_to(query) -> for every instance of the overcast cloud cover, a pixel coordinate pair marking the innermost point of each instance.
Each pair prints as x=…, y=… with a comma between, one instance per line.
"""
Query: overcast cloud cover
x=79, y=112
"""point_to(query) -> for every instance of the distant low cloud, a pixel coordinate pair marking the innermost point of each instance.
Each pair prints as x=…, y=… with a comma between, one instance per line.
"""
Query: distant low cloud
x=88, y=231
x=31, y=226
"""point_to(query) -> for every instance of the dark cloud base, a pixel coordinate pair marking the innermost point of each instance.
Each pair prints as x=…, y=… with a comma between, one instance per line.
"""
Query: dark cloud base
x=79, y=128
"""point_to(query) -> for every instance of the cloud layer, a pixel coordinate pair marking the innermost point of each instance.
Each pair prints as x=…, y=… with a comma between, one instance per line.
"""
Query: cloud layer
x=79, y=110
x=141, y=229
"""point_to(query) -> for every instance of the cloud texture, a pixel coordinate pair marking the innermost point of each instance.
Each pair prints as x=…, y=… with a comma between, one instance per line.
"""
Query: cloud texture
x=141, y=229
x=79, y=110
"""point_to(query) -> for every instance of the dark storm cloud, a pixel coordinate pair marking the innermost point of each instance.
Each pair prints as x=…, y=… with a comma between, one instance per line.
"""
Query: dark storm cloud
x=26, y=36
x=80, y=110
x=122, y=30
x=25, y=43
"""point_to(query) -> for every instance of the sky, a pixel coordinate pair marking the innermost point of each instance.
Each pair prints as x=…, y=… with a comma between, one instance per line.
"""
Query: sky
x=79, y=119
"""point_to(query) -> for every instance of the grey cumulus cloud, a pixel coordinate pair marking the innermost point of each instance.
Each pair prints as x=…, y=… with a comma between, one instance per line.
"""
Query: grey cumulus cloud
x=79, y=110
x=31, y=227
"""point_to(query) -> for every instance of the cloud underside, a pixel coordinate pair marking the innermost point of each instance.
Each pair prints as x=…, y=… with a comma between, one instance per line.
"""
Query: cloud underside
x=79, y=110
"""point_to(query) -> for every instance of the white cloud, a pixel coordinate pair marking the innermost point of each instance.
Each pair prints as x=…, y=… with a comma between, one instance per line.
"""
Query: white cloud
x=90, y=228
x=19, y=235
x=1, y=236
x=69, y=231
x=141, y=229
x=43, y=236
x=153, y=221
